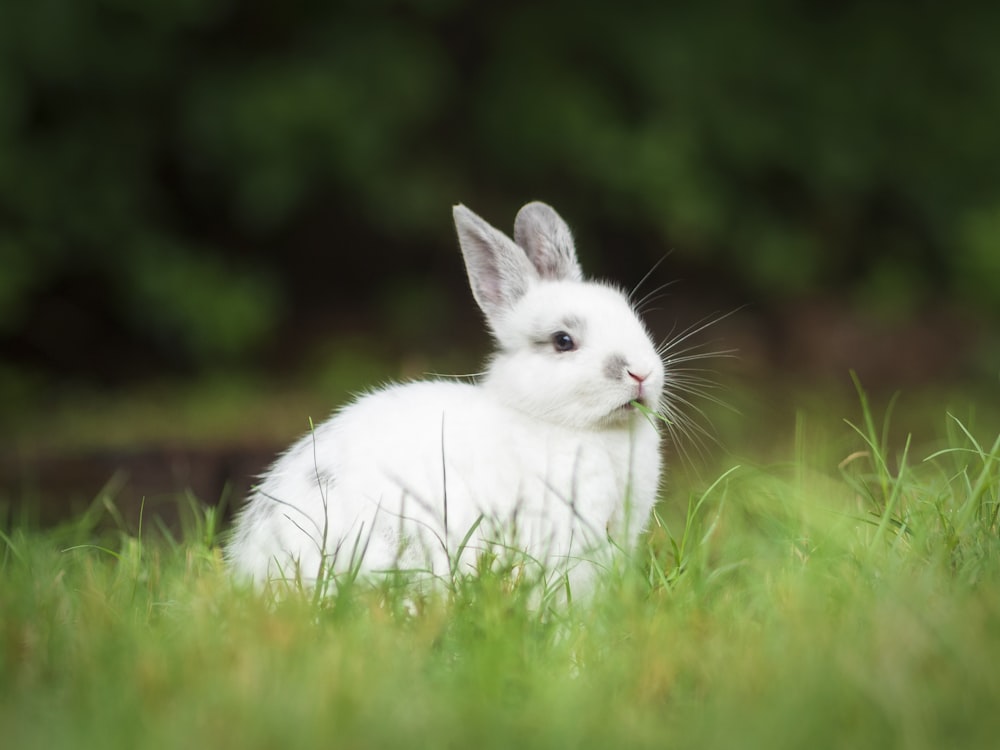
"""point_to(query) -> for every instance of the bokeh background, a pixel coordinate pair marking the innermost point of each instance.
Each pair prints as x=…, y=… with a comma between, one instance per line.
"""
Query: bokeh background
x=219, y=217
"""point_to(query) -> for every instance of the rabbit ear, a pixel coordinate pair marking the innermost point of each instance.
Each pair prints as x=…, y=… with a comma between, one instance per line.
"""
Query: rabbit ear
x=547, y=241
x=499, y=271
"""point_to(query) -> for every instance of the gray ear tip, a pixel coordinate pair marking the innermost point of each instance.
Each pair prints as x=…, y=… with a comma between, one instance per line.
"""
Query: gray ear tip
x=536, y=207
x=535, y=215
x=463, y=217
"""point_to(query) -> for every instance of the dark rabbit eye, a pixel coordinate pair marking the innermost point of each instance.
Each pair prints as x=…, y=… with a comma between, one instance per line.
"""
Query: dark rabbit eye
x=563, y=342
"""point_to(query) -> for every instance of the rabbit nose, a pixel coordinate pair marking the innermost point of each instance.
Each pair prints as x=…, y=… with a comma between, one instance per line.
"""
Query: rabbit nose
x=639, y=380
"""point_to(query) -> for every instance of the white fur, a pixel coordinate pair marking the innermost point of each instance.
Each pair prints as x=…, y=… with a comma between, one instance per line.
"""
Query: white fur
x=541, y=453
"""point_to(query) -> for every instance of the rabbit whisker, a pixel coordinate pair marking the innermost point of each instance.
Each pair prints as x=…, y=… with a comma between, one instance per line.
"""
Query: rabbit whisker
x=646, y=276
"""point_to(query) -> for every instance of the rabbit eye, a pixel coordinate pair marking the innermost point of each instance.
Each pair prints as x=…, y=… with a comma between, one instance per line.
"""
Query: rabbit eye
x=563, y=342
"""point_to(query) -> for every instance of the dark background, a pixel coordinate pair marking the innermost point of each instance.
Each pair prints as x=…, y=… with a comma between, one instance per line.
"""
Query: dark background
x=217, y=191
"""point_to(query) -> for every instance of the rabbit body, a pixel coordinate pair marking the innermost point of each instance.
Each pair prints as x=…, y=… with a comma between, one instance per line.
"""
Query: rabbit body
x=544, y=456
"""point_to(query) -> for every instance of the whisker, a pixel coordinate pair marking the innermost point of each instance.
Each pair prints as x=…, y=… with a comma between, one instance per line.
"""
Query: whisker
x=700, y=388
x=694, y=375
x=696, y=328
x=686, y=434
x=454, y=376
x=653, y=295
x=691, y=432
x=689, y=388
x=646, y=276
x=691, y=354
x=689, y=404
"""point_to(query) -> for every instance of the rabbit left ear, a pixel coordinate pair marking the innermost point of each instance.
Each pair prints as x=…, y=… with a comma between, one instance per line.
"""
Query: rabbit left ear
x=499, y=271
x=548, y=242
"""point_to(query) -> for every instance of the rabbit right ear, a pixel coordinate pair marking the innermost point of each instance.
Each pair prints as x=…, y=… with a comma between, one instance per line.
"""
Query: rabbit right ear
x=499, y=271
x=548, y=242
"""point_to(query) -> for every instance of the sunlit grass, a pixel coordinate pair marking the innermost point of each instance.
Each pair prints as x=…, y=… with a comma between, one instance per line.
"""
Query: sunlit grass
x=847, y=601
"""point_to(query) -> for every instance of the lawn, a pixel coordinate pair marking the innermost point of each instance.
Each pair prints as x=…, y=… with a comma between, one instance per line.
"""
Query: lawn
x=845, y=595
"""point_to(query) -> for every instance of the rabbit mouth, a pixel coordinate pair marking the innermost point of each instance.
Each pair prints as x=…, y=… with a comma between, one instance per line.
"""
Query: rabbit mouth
x=623, y=413
x=630, y=404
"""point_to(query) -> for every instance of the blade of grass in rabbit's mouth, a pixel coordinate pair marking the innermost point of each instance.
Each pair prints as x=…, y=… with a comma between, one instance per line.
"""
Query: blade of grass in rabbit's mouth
x=648, y=413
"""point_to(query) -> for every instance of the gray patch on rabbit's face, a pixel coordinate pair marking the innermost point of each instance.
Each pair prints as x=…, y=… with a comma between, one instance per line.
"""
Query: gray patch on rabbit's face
x=615, y=366
x=573, y=323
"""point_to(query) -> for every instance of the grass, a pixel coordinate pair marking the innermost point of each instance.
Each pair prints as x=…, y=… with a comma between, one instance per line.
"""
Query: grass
x=825, y=601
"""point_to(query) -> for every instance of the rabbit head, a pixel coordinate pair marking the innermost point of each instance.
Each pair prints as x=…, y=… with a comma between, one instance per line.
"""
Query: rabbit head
x=569, y=351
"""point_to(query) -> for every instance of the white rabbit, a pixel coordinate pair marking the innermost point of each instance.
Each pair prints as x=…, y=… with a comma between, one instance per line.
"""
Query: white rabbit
x=544, y=455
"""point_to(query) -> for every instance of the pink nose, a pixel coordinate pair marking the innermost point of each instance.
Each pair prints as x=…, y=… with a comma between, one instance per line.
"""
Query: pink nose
x=639, y=379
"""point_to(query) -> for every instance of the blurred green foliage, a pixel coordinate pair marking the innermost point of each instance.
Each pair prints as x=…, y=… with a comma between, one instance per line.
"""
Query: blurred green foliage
x=202, y=171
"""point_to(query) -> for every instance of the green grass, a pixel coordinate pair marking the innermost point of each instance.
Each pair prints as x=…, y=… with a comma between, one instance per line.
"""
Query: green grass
x=847, y=599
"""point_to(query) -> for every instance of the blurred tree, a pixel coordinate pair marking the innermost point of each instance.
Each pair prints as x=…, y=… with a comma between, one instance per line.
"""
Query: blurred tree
x=179, y=178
